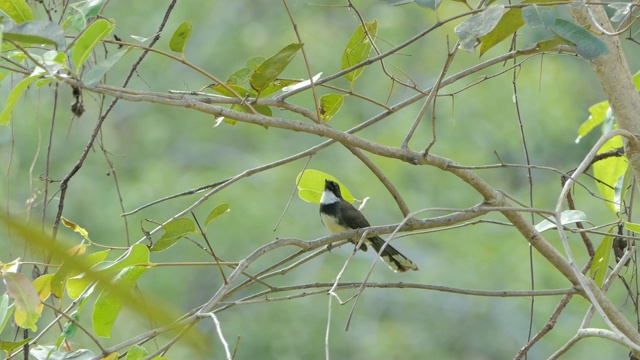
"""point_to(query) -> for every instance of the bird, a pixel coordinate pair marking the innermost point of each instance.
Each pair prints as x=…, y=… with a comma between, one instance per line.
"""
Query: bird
x=338, y=215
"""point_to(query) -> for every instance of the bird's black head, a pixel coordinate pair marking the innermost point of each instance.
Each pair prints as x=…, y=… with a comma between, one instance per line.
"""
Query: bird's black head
x=333, y=187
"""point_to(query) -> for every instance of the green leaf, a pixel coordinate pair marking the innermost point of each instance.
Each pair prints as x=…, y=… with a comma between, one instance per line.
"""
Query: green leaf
x=567, y=217
x=180, y=37
x=88, y=40
x=597, y=115
x=632, y=227
x=136, y=352
x=97, y=72
x=5, y=311
x=311, y=185
x=224, y=91
x=269, y=70
x=600, y=263
x=25, y=297
x=539, y=16
x=77, y=282
x=608, y=172
x=9, y=346
x=510, y=22
x=636, y=80
x=277, y=85
x=330, y=104
x=254, y=62
x=358, y=49
x=17, y=10
x=174, y=231
x=478, y=26
x=109, y=303
x=217, y=211
x=239, y=77
x=61, y=276
x=586, y=44
x=35, y=33
x=12, y=99
x=70, y=327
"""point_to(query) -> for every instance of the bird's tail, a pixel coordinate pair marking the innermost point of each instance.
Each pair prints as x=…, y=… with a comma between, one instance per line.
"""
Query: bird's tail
x=392, y=257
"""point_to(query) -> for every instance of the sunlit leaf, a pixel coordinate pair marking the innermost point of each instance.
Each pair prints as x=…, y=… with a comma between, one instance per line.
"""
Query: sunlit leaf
x=632, y=226
x=61, y=276
x=136, y=352
x=269, y=70
x=77, y=282
x=277, y=85
x=174, y=230
x=607, y=173
x=597, y=115
x=300, y=84
x=330, y=104
x=217, y=211
x=567, y=217
x=75, y=227
x=12, y=99
x=18, y=10
x=109, y=303
x=180, y=37
x=358, y=49
x=311, y=185
x=88, y=40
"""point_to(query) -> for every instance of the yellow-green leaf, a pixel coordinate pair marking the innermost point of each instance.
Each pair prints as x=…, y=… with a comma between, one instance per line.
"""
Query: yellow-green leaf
x=311, y=185
x=109, y=303
x=330, y=104
x=88, y=40
x=597, y=115
x=12, y=99
x=77, y=281
x=174, y=231
x=75, y=227
x=9, y=346
x=608, y=172
x=632, y=226
x=17, y=10
x=179, y=38
x=600, y=263
x=358, y=48
x=269, y=70
x=219, y=210
x=62, y=275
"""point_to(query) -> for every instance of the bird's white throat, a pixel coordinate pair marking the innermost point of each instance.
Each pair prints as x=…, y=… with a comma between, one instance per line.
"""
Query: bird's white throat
x=328, y=197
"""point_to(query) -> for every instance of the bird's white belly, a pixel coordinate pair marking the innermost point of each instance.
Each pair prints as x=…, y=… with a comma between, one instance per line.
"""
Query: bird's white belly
x=331, y=224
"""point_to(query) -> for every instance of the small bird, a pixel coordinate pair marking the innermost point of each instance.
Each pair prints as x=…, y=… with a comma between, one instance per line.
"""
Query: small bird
x=338, y=216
